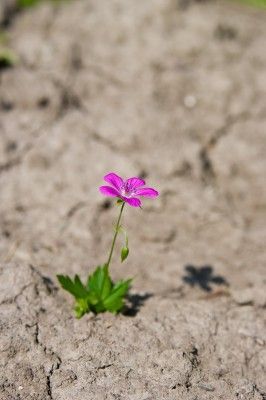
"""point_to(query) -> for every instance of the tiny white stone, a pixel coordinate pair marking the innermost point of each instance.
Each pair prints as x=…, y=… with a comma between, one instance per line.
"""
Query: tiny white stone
x=20, y=387
x=190, y=101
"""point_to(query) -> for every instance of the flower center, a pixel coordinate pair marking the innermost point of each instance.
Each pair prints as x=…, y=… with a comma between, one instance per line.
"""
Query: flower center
x=127, y=191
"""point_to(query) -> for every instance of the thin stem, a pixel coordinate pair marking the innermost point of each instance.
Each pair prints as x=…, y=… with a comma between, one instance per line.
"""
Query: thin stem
x=115, y=236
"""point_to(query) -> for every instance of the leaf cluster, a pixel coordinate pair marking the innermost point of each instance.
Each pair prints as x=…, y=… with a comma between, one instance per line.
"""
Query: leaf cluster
x=99, y=294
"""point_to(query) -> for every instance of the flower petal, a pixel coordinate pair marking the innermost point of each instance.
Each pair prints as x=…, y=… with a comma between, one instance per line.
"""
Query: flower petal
x=109, y=191
x=133, y=183
x=114, y=180
x=132, y=201
x=146, y=192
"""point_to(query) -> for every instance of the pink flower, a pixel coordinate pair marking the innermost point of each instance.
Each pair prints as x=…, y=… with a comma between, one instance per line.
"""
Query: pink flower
x=127, y=190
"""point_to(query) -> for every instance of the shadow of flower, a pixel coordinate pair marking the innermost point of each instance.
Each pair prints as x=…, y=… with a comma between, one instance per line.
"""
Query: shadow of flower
x=135, y=302
x=203, y=277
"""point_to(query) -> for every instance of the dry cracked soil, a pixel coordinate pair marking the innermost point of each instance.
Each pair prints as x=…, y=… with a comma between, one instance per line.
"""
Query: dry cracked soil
x=170, y=90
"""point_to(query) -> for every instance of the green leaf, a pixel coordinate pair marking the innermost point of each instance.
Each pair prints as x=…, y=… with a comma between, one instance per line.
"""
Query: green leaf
x=81, y=307
x=81, y=288
x=99, y=283
x=115, y=301
x=124, y=253
x=76, y=287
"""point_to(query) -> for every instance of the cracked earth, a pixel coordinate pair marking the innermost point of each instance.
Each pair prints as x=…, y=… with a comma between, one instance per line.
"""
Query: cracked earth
x=173, y=91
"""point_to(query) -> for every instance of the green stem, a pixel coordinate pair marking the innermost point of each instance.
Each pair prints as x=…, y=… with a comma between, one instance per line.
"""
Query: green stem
x=115, y=236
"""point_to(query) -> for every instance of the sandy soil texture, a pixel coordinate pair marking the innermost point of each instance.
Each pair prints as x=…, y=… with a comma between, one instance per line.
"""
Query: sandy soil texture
x=173, y=91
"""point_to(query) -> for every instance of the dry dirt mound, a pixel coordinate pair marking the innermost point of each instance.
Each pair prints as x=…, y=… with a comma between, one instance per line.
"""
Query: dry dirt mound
x=170, y=90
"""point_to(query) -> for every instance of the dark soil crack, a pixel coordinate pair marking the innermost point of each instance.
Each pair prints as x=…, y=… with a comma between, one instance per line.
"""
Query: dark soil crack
x=104, y=366
x=106, y=142
x=192, y=356
x=48, y=352
x=71, y=213
x=11, y=300
x=46, y=281
x=208, y=174
x=18, y=159
x=10, y=164
x=49, y=377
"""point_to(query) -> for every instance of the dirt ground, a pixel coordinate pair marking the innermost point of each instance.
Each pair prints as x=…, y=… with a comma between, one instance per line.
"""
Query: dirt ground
x=173, y=91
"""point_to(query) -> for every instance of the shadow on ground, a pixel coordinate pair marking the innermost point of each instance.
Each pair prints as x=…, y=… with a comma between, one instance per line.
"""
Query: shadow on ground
x=135, y=302
x=203, y=277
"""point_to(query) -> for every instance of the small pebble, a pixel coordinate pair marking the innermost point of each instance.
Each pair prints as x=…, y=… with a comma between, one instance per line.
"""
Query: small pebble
x=190, y=101
x=206, y=387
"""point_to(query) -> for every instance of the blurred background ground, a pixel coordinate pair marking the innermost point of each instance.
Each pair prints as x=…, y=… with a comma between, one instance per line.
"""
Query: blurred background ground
x=173, y=91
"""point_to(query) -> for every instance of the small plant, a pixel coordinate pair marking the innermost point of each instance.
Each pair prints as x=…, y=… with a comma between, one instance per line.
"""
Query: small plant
x=100, y=293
